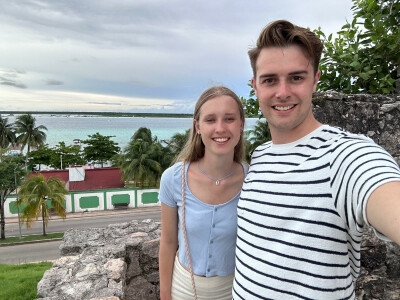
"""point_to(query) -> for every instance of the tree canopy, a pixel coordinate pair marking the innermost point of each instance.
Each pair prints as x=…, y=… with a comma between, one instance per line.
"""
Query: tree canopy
x=39, y=196
x=100, y=148
x=177, y=142
x=64, y=156
x=12, y=172
x=140, y=160
x=365, y=55
x=7, y=133
x=30, y=135
x=257, y=136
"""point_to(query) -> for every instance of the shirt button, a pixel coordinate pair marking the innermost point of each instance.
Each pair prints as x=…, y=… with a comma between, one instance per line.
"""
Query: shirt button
x=216, y=209
x=210, y=256
x=211, y=241
x=208, y=270
x=213, y=225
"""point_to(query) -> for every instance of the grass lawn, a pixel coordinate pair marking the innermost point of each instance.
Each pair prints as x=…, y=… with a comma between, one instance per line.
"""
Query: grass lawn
x=34, y=237
x=19, y=282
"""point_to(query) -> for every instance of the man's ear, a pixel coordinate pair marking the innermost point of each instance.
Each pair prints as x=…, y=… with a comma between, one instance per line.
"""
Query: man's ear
x=253, y=83
x=316, y=78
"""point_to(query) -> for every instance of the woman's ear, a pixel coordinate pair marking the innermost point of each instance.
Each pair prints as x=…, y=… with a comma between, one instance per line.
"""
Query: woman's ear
x=196, y=126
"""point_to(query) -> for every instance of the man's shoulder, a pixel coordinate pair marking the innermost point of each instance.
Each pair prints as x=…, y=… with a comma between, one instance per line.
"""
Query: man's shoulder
x=263, y=147
x=339, y=136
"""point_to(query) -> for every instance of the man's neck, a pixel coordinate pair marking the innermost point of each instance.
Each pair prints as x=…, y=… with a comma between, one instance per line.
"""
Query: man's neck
x=294, y=134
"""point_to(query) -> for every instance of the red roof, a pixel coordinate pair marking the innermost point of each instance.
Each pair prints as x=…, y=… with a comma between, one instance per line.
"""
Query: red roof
x=95, y=179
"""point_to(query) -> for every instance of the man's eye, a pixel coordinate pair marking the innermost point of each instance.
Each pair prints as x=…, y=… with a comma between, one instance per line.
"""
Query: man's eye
x=269, y=81
x=297, y=78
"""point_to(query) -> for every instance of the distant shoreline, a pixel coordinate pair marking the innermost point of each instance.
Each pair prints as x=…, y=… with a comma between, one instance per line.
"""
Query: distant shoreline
x=100, y=114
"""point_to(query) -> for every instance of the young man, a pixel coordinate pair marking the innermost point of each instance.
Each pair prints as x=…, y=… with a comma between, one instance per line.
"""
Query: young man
x=310, y=192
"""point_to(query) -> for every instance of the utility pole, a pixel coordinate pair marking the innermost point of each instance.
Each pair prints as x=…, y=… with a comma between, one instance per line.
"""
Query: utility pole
x=16, y=193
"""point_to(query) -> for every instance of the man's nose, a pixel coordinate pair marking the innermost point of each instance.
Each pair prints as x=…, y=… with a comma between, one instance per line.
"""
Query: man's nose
x=283, y=90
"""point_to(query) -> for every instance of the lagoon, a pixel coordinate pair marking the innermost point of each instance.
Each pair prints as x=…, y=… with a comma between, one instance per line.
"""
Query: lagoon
x=67, y=128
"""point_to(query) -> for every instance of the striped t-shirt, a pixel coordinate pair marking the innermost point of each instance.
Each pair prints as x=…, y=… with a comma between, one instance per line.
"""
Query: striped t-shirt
x=301, y=214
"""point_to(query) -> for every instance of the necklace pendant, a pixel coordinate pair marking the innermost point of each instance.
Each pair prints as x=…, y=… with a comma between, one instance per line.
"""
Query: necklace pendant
x=217, y=182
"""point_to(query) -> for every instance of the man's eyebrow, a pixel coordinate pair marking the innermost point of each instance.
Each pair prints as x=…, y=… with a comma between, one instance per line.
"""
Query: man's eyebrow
x=291, y=73
x=267, y=75
x=299, y=72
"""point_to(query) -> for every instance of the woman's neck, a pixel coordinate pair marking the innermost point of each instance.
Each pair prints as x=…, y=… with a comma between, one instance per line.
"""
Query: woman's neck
x=216, y=166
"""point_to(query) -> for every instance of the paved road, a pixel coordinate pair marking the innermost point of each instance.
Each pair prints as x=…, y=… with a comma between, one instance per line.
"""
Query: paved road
x=21, y=254
x=50, y=250
x=84, y=220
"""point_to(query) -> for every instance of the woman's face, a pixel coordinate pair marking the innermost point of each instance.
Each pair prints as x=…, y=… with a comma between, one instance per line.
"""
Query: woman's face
x=220, y=125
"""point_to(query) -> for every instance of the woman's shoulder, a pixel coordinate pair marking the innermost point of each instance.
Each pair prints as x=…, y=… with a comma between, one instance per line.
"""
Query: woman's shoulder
x=245, y=167
x=173, y=171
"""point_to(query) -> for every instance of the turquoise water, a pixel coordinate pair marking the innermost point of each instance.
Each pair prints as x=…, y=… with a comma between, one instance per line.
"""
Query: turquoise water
x=67, y=128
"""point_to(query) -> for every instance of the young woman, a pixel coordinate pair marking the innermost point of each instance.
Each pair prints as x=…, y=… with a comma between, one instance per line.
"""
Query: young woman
x=213, y=172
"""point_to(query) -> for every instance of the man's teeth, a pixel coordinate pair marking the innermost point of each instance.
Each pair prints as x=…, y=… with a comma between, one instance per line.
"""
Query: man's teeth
x=284, y=107
x=220, y=140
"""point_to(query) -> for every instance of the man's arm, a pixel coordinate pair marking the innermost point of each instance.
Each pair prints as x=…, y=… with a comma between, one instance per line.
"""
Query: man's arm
x=383, y=210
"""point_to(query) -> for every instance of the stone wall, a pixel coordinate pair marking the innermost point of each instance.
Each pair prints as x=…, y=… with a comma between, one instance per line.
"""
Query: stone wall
x=121, y=261
x=116, y=262
x=377, y=116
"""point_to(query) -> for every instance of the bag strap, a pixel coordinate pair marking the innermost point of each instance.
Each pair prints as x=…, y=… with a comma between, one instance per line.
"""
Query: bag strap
x=184, y=230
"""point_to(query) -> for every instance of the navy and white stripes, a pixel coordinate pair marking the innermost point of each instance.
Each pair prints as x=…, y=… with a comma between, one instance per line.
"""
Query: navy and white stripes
x=301, y=214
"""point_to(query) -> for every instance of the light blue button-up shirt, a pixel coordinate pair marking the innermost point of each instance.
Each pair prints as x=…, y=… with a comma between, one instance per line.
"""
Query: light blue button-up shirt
x=210, y=229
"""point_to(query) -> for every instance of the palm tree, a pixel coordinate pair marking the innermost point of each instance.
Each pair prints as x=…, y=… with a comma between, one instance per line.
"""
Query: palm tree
x=258, y=135
x=143, y=134
x=139, y=164
x=140, y=160
x=35, y=195
x=178, y=141
x=29, y=135
x=7, y=133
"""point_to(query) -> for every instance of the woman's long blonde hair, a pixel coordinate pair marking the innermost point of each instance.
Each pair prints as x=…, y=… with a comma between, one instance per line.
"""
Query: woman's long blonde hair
x=194, y=148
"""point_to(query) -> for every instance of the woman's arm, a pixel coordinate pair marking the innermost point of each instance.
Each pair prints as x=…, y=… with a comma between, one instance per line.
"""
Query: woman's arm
x=168, y=248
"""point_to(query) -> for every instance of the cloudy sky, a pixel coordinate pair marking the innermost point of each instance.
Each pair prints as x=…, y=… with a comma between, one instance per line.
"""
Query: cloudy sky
x=137, y=55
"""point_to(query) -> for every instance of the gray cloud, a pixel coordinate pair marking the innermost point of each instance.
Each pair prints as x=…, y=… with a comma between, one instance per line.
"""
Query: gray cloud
x=143, y=49
x=10, y=78
x=156, y=23
x=54, y=82
x=12, y=83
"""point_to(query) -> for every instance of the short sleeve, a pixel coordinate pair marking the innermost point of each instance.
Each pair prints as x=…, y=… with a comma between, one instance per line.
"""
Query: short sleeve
x=359, y=167
x=167, y=187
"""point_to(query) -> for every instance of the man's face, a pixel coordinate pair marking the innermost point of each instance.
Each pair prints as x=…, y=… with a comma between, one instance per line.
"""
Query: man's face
x=284, y=85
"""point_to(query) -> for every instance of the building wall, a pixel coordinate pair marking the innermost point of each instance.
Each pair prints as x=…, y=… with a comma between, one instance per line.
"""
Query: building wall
x=80, y=201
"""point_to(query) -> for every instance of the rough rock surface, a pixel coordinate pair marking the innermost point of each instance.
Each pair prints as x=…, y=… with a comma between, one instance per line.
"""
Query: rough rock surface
x=377, y=116
x=120, y=261
x=116, y=262
x=380, y=271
